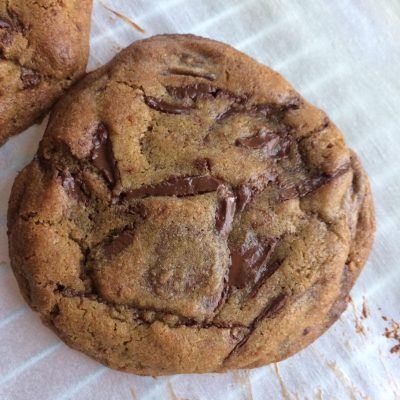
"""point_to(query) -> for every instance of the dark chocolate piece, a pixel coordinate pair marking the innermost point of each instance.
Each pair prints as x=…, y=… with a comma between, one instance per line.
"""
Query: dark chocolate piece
x=230, y=112
x=243, y=196
x=102, y=155
x=225, y=213
x=265, y=139
x=29, y=78
x=164, y=107
x=138, y=209
x=248, y=265
x=118, y=242
x=5, y=24
x=283, y=148
x=203, y=90
x=265, y=110
x=244, y=193
x=180, y=187
x=308, y=185
x=194, y=92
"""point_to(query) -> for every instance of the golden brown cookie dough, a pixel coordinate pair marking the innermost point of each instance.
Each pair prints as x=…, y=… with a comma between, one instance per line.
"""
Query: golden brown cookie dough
x=44, y=47
x=189, y=211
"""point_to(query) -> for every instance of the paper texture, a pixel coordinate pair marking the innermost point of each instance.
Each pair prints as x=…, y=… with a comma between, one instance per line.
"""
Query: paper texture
x=343, y=56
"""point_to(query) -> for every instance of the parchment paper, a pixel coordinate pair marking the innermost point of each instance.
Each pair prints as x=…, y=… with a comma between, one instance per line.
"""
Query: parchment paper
x=344, y=56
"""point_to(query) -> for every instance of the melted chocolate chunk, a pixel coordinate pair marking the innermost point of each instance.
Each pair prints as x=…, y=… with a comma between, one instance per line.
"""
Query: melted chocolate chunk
x=203, y=90
x=268, y=271
x=102, y=155
x=191, y=72
x=5, y=24
x=283, y=149
x=265, y=139
x=193, y=92
x=225, y=213
x=138, y=209
x=10, y=27
x=248, y=265
x=118, y=242
x=243, y=196
x=29, y=78
x=180, y=187
x=73, y=185
x=287, y=192
x=306, y=186
x=244, y=193
x=165, y=107
x=271, y=308
x=265, y=110
x=306, y=331
x=230, y=112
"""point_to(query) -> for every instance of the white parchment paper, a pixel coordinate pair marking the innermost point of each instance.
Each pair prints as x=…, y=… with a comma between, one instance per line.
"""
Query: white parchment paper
x=344, y=56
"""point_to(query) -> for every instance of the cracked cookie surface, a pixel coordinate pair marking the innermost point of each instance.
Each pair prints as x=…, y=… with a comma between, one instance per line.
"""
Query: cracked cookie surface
x=179, y=218
x=44, y=47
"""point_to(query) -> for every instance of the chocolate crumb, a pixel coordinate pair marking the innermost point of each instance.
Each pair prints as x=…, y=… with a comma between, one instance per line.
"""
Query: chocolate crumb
x=365, y=309
x=393, y=332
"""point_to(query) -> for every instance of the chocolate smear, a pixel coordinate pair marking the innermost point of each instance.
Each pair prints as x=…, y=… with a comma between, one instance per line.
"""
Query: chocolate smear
x=249, y=265
x=165, y=107
x=179, y=187
x=102, y=155
x=225, y=213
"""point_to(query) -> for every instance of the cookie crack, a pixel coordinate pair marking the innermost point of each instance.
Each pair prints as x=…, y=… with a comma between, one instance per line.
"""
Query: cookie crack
x=271, y=308
x=138, y=312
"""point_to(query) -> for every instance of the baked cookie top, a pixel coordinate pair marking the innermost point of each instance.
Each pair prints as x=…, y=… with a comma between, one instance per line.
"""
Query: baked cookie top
x=44, y=47
x=189, y=211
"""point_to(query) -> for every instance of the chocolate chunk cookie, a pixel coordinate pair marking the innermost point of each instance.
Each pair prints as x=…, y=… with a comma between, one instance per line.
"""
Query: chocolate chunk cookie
x=44, y=46
x=189, y=211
